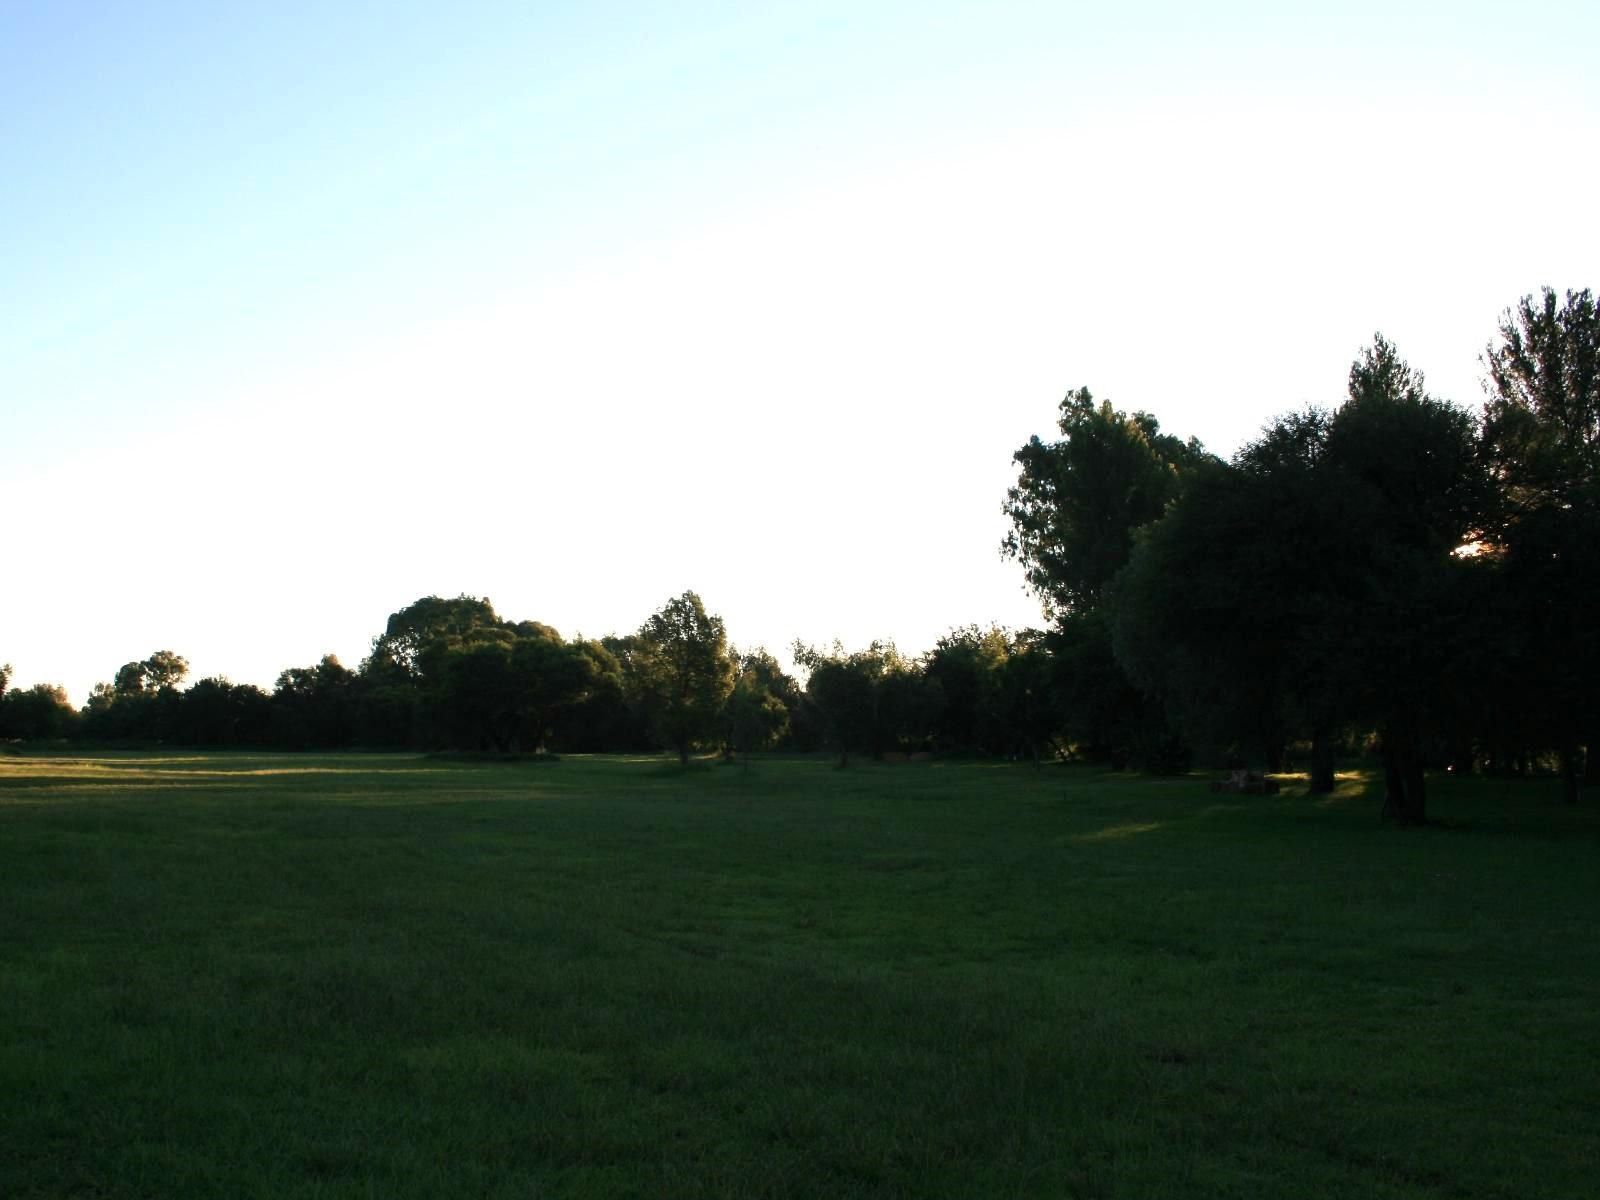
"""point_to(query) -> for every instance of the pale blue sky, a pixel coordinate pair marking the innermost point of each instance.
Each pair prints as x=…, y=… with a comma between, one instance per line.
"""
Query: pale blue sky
x=307, y=310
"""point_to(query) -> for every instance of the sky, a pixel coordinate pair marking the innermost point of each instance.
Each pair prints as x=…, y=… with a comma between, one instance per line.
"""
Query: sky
x=310, y=310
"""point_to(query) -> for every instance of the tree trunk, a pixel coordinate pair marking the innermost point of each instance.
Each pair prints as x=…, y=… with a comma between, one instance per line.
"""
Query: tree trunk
x=1322, y=780
x=1275, y=758
x=683, y=754
x=1405, y=798
x=1394, y=788
x=1591, y=760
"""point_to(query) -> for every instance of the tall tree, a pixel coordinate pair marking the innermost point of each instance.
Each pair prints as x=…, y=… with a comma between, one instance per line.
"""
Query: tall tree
x=1077, y=501
x=683, y=672
x=1542, y=420
x=1408, y=467
x=1542, y=437
x=1075, y=510
x=1205, y=614
x=1229, y=607
x=1316, y=583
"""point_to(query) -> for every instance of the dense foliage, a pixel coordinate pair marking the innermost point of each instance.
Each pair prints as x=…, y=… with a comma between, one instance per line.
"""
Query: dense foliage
x=1398, y=574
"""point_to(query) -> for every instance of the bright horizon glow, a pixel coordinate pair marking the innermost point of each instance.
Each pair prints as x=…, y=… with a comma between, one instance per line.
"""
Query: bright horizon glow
x=305, y=317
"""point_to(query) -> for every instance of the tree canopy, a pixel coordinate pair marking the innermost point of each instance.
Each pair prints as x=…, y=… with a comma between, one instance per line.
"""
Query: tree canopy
x=683, y=672
x=1542, y=442
x=1078, y=501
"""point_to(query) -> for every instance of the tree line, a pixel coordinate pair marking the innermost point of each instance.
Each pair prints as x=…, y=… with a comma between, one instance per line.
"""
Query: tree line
x=1398, y=574
x=453, y=674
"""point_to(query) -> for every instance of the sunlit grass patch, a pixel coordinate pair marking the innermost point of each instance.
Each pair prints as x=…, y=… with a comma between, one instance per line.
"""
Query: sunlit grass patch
x=1112, y=833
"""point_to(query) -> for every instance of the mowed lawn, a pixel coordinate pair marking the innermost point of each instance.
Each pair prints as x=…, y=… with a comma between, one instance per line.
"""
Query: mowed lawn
x=370, y=976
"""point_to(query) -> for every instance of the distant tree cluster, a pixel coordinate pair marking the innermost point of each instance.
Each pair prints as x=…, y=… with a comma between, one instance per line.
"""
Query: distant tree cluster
x=39, y=712
x=1398, y=574
x=444, y=674
x=454, y=674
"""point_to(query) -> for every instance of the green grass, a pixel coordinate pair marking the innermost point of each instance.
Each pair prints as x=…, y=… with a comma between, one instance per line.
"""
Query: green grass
x=381, y=976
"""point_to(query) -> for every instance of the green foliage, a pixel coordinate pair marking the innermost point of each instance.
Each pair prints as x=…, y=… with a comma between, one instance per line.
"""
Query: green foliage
x=966, y=669
x=681, y=673
x=36, y=714
x=769, y=675
x=1212, y=608
x=1076, y=510
x=990, y=692
x=162, y=671
x=763, y=706
x=756, y=718
x=1103, y=716
x=1315, y=584
x=1542, y=439
x=1077, y=502
x=500, y=686
x=216, y=712
x=602, y=719
x=1542, y=426
x=143, y=702
x=1407, y=467
x=452, y=673
x=315, y=706
x=1031, y=712
x=870, y=700
x=433, y=624
x=1385, y=567
x=1410, y=461
x=475, y=695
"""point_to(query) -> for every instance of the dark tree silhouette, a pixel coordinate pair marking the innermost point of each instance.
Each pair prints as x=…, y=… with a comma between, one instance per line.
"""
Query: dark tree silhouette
x=682, y=672
x=1542, y=438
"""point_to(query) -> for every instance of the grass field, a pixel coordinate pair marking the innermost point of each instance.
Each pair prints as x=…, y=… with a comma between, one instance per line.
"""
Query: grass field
x=384, y=976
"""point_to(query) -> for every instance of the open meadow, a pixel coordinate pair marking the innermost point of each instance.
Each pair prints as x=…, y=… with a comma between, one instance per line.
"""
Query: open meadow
x=387, y=976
